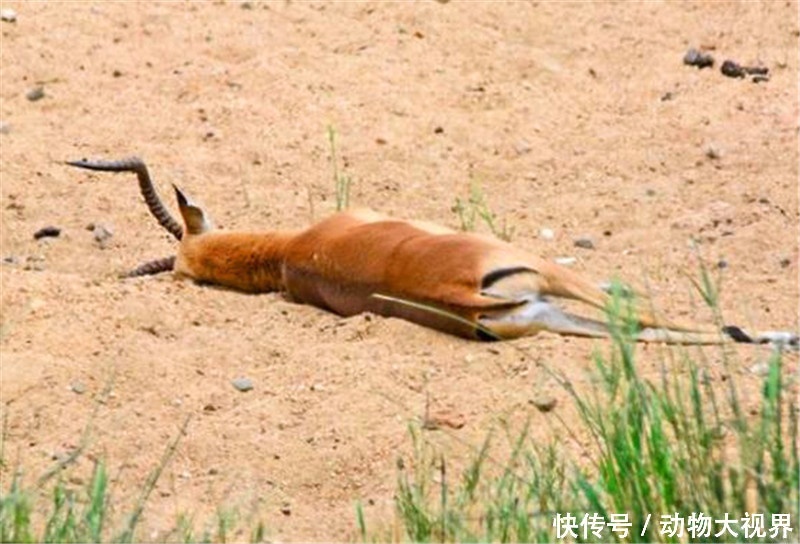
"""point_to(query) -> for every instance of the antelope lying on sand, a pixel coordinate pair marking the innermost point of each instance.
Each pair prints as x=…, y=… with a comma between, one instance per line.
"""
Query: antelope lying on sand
x=361, y=261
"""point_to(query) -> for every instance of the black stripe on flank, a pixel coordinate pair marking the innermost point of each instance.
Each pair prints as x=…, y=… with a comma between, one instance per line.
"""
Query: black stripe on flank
x=496, y=275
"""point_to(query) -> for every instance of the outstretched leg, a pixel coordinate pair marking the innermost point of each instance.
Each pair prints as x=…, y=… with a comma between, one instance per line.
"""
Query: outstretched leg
x=782, y=339
x=537, y=315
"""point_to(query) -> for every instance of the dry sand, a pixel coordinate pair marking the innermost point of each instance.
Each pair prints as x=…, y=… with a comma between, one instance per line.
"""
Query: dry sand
x=580, y=118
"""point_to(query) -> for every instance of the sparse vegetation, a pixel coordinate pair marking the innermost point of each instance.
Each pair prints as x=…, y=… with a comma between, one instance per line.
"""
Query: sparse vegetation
x=676, y=448
x=341, y=181
x=470, y=211
x=475, y=208
x=84, y=514
x=658, y=452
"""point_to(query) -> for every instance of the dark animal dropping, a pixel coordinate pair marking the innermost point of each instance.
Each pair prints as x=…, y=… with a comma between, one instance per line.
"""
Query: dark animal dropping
x=732, y=69
x=47, y=232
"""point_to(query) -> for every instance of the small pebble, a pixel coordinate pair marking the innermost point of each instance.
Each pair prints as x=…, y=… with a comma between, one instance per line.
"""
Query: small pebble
x=713, y=152
x=5, y=128
x=760, y=79
x=10, y=259
x=546, y=234
x=693, y=57
x=47, y=232
x=785, y=262
x=544, y=403
x=522, y=147
x=8, y=15
x=443, y=419
x=102, y=234
x=37, y=93
x=565, y=261
x=243, y=384
x=585, y=243
x=438, y=130
x=286, y=509
x=722, y=264
x=78, y=387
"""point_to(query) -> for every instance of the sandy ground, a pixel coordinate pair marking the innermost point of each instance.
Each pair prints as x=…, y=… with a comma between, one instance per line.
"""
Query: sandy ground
x=577, y=118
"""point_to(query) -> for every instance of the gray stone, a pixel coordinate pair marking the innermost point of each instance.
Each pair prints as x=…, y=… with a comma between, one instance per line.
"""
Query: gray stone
x=78, y=387
x=37, y=93
x=544, y=403
x=8, y=15
x=243, y=384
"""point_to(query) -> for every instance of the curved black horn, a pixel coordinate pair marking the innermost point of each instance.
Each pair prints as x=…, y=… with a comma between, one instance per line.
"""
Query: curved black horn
x=154, y=203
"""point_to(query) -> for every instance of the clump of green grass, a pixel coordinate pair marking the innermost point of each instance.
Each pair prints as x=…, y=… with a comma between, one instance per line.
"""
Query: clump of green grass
x=680, y=446
x=226, y=526
x=475, y=209
x=488, y=501
x=341, y=181
x=74, y=516
x=84, y=514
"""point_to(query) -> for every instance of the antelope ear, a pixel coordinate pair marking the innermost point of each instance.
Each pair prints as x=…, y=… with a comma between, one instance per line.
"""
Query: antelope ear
x=193, y=215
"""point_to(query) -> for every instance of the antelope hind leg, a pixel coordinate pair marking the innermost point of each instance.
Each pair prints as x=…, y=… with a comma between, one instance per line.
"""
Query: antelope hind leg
x=537, y=315
x=779, y=339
